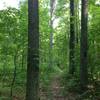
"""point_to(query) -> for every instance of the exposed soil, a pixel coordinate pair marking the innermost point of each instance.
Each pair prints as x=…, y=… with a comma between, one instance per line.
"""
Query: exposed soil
x=55, y=91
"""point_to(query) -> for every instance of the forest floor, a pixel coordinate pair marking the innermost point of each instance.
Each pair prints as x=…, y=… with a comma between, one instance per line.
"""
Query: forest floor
x=55, y=91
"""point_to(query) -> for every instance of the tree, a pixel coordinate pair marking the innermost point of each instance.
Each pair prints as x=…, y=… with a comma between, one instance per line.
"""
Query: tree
x=72, y=39
x=84, y=45
x=52, y=8
x=32, y=90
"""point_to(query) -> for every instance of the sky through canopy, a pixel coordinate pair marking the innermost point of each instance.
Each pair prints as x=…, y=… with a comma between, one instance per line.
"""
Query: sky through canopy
x=9, y=3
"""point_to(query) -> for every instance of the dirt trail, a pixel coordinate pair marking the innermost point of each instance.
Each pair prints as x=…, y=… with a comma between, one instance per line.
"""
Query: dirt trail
x=55, y=91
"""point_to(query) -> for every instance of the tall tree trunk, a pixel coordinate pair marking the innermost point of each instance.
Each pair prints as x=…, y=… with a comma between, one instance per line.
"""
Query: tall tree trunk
x=77, y=31
x=72, y=39
x=32, y=90
x=52, y=7
x=84, y=45
x=77, y=34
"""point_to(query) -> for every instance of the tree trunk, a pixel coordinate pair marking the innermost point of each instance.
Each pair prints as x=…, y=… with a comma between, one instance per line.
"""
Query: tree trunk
x=14, y=75
x=77, y=31
x=32, y=90
x=84, y=46
x=72, y=39
x=52, y=7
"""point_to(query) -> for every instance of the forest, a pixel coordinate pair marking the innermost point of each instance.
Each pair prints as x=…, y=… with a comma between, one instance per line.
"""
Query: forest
x=50, y=50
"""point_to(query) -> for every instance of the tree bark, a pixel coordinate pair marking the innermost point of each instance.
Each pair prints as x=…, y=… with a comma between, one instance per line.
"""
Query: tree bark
x=32, y=90
x=72, y=39
x=52, y=8
x=84, y=45
x=77, y=26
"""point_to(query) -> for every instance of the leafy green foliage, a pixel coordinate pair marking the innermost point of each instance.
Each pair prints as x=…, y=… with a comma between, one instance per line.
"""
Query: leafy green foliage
x=13, y=42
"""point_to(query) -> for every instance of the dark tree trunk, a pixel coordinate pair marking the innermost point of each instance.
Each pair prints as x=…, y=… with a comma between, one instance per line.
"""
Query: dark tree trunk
x=72, y=39
x=77, y=31
x=84, y=45
x=32, y=90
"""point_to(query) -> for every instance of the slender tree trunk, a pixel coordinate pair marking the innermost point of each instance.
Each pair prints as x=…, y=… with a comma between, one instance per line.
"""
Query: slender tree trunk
x=22, y=61
x=72, y=39
x=51, y=22
x=14, y=75
x=52, y=7
x=32, y=90
x=84, y=45
x=77, y=21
